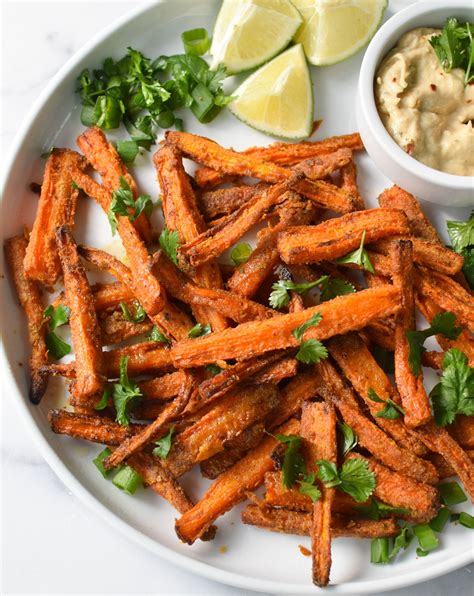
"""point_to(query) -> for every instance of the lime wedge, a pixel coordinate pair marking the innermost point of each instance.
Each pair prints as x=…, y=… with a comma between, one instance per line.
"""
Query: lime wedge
x=278, y=98
x=248, y=33
x=333, y=30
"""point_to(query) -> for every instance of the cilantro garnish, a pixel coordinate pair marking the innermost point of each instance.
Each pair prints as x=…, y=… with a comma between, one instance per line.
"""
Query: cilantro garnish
x=308, y=487
x=169, y=242
x=312, y=322
x=349, y=438
x=462, y=238
x=124, y=393
x=378, y=510
x=128, y=150
x=138, y=316
x=145, y=94
x=335, y=286
x=159, y=337
x=163, y=445
x=56, y=317
x=354, y=477
x=293, y=462
x=454, y=47
x=359, y=257
x=123, y=203
x=443, y=324
x=454, y=394
x=199, y=330
x=280, y=295
x=311, y=350
x=391, y=411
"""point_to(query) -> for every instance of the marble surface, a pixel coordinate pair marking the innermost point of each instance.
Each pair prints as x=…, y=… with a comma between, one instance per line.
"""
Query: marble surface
x=50, y=544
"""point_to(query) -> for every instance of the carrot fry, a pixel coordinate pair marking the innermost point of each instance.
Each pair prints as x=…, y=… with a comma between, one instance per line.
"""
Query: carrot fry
x=230, y=488
x=429, y=254
x=363, y=372
x=317, y=168
x=349, y=183
x=104, y=158
x=410, y=386
x=29, y=296
x=397, y=198
x=464, y=341
x=90, y=428
x=340, y=315
x=398, y=490
x=444, y=469
x=228, y=378
x=462, y=430
x=151, y=294
x=318, y=429
x=229, y=417
x=219, y=238
x=154, y=430
x=115, y=329
x=274, y=373
x=187, y=221
x=284, y=154
x=224, y=201
x=447, y=295
x=440, y=441
x=56, y=207
x=170, y=318
x=163, y=388
x=371, y=437
x=234, y=450
x=295, y=522
x=181, y=287
x=209, y=153
x=110, y=295
x=338, y=236
x=249, y=276
x=89, y=363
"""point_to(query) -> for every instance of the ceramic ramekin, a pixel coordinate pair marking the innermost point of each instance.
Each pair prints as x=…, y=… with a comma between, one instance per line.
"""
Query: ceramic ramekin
x=424, y=182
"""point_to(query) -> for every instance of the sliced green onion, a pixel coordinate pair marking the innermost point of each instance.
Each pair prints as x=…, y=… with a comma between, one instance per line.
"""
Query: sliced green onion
x=451, y=493
x=98, y=461
x=127, y=150
x=241, y=253
x=203, y=101
x=127, y=480
x=437, y=524
x=427, y=539
x=179, y=124
x=379, y=550
x=196, y=41
x=165, y=119
x=465, y=519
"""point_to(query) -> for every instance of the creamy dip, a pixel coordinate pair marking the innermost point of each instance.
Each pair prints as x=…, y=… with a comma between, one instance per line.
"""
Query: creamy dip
x=426, y=110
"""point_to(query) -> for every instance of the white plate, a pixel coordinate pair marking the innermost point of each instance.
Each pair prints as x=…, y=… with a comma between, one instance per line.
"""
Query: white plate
x=255, y=559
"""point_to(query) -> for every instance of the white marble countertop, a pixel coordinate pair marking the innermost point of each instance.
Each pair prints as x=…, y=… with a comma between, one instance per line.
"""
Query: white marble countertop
x=50, y=543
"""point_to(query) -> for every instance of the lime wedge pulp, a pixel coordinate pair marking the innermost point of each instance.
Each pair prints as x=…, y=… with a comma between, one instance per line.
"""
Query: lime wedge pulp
x=278, y=98
x=248, y=33
x=333, y=30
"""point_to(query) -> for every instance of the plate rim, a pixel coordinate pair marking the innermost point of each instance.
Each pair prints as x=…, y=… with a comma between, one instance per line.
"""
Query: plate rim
x=450, y=563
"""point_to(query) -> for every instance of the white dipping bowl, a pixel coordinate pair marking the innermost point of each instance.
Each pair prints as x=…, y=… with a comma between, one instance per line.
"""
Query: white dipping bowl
x=426, y=183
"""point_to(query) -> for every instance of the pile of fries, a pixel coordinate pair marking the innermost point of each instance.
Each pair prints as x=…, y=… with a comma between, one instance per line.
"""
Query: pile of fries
x=224, y=398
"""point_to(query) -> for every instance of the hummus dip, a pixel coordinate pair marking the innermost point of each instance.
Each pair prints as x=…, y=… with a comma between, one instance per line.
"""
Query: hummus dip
x=427, y=111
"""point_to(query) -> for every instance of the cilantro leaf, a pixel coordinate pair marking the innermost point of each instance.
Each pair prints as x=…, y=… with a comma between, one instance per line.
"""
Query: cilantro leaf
x=241, y=253
x=308, y=488
x=136, y=317
x=455, y=392
x=312, y=322
x=159, y=337
x=293, y=461
x=280, y=295
x=169, y=242
x=213, y=369
x=378, y=510
x=359, y=257
x=454, y=47
x=198, y=330
x=123, y=203
x=335, y=286
x=163, y=445
x=442, y=324
x=56, y=317
x=128, y=150
x=104, y=400
x=349, y=437
x=391, y=411
x=462, y=238
x=354, y=477
x=124, y=393
x=311, y=351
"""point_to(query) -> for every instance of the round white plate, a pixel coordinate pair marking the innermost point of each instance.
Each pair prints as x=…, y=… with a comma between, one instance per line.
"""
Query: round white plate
x=253, y=559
